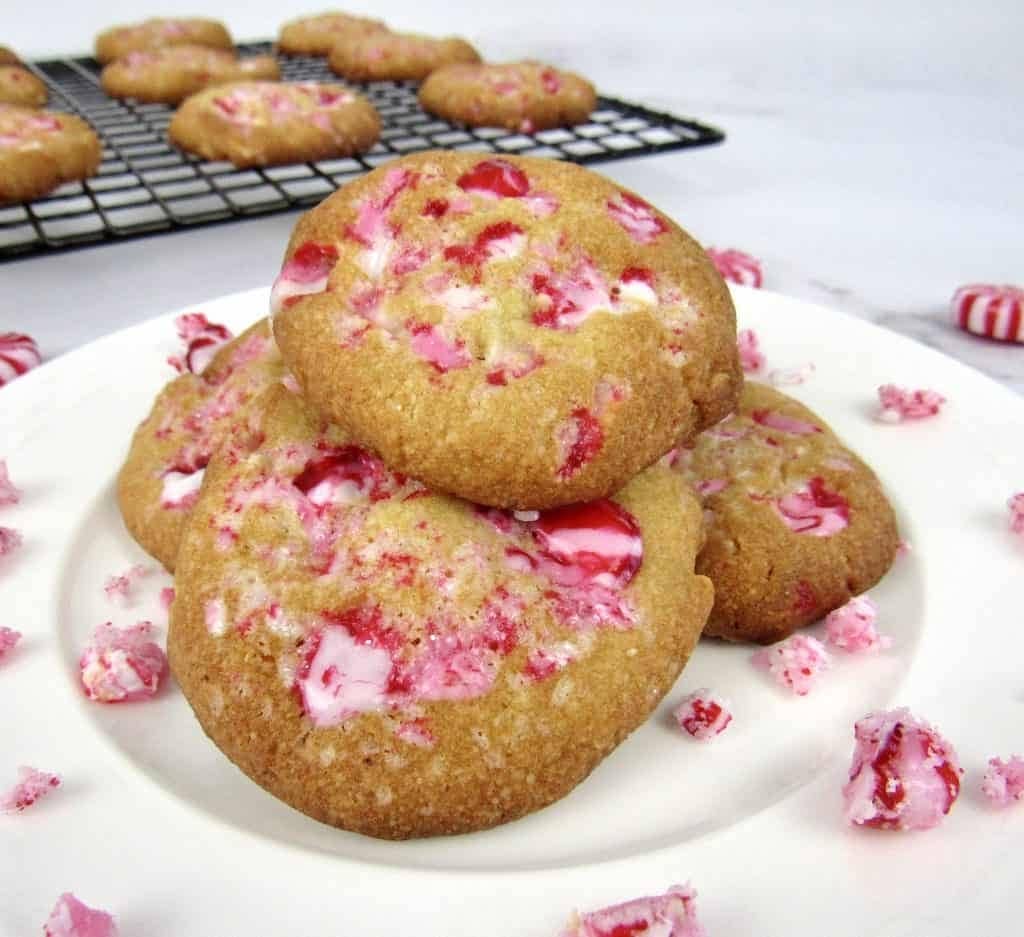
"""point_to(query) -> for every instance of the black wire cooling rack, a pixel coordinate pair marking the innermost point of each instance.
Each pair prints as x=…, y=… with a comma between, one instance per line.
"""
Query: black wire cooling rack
x=146, y=186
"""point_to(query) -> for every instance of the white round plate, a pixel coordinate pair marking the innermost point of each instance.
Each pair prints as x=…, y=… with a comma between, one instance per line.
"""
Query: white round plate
x=154, y=824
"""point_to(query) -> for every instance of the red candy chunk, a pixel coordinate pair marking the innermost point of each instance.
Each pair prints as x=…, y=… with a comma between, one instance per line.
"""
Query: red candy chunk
x=202, y=338
x=495, y=178
x=703, y=715
x=899, y=404
x=501, y=240
x=18, y=354
x=1003, y=783
x=796, y=663
x=594, y=541
x=904, y=775
x=736, y=267
x=10, y=540
x=305, y=272
x=71, y=918
x=122, y=664
x=118, y=588
x=751, y=358
x=783, y=423
x=637, y=218
x=673, y=914
x=814, y=510
x=32, y=785
x=581, y=438
x=990, y=310
x=9, y=494
x=8, y=638
x=1016, y=506
x=441, y=353
x=343, y=476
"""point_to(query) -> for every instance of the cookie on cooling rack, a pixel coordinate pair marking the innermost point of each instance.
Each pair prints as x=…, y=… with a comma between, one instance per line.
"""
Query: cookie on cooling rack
x=171, y=74
x=8, y=56
x=315, y=35
x=263, y=123
x=522, y=96
x=117, y=42
x=160, y=479
x=404, y=664
x=41, y=150
x=797, y=524
x=396, y=56
x=520, y=332
x=19, y=86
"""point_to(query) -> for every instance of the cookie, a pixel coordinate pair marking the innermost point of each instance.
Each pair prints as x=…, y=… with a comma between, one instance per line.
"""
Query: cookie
x=40, y=151
x=158, y=485
x=8, y=57
x=119, y=41
x=19, y=86
x=797, y=524
x=521, y=96
x=520, y=332
x=264, y=123
x=396, y=56
x=171, y=74
x=315, y=35
x=400, y=663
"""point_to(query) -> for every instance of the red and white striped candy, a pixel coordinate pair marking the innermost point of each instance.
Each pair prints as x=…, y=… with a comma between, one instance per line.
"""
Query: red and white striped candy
x=18, y=354
x=736, y=266
x=993, y=311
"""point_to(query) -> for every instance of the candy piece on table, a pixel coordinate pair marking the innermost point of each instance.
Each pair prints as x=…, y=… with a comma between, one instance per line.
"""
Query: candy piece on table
x=673, y=914
x=752, y=360
x=10, y=540
x=32, y=785
x=703, y=714
x=18, y=354
x=8, y=638
x=1004, y=780
x=736, y=266
x=122, y=664
x=904, y=775
x=1016, y=506
x=899, y=404
x=852, y=626
x=202, y=339
x=9, y=494
x=990, y=310
x=71, y=918
x=795, y=663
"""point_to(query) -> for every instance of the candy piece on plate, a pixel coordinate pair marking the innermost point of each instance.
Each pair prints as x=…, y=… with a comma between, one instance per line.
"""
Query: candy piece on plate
x=9, y=494
x=32, y=785
x=990, y=310
x=122, y=664
x=10, y=540
x=71, y=918
x=18, y=354
x=703, y=714
x=736, y=267
x=118, y=588
x=673, y=914
x=202, y=338
x=899, y=404
x=1004, y=780
x=852, y=626
x=752, y=360
x=904, y=775
x=795, y=663
x=1016, y=506
x=8, y=638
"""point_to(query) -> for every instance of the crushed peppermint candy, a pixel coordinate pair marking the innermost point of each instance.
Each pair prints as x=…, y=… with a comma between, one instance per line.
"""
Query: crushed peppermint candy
x=8, y=638
x=736, y=266
x=9, y=494
x=118, y=588
x=32, y=785
x=792, y=377
x=10, y=540
x=202, y=340
x=1004, y=780
x=1016, y=506
x=899, y=404
x=904, y=775
x=852, y=626
x=122, y=664
x=166, y=597
x=18, y=354
x=673, y=914
x=748, y=345
x=703, y=715
x=71, y=918
x=795, y=663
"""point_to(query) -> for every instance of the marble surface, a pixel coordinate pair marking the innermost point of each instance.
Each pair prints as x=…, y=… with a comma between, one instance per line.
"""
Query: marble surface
x=874, y=160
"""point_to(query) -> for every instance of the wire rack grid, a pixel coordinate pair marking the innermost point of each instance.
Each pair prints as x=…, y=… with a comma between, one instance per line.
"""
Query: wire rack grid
x=146, y=186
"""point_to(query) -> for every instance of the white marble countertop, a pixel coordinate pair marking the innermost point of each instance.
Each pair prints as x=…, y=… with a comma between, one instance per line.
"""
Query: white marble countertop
x=874, y=160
